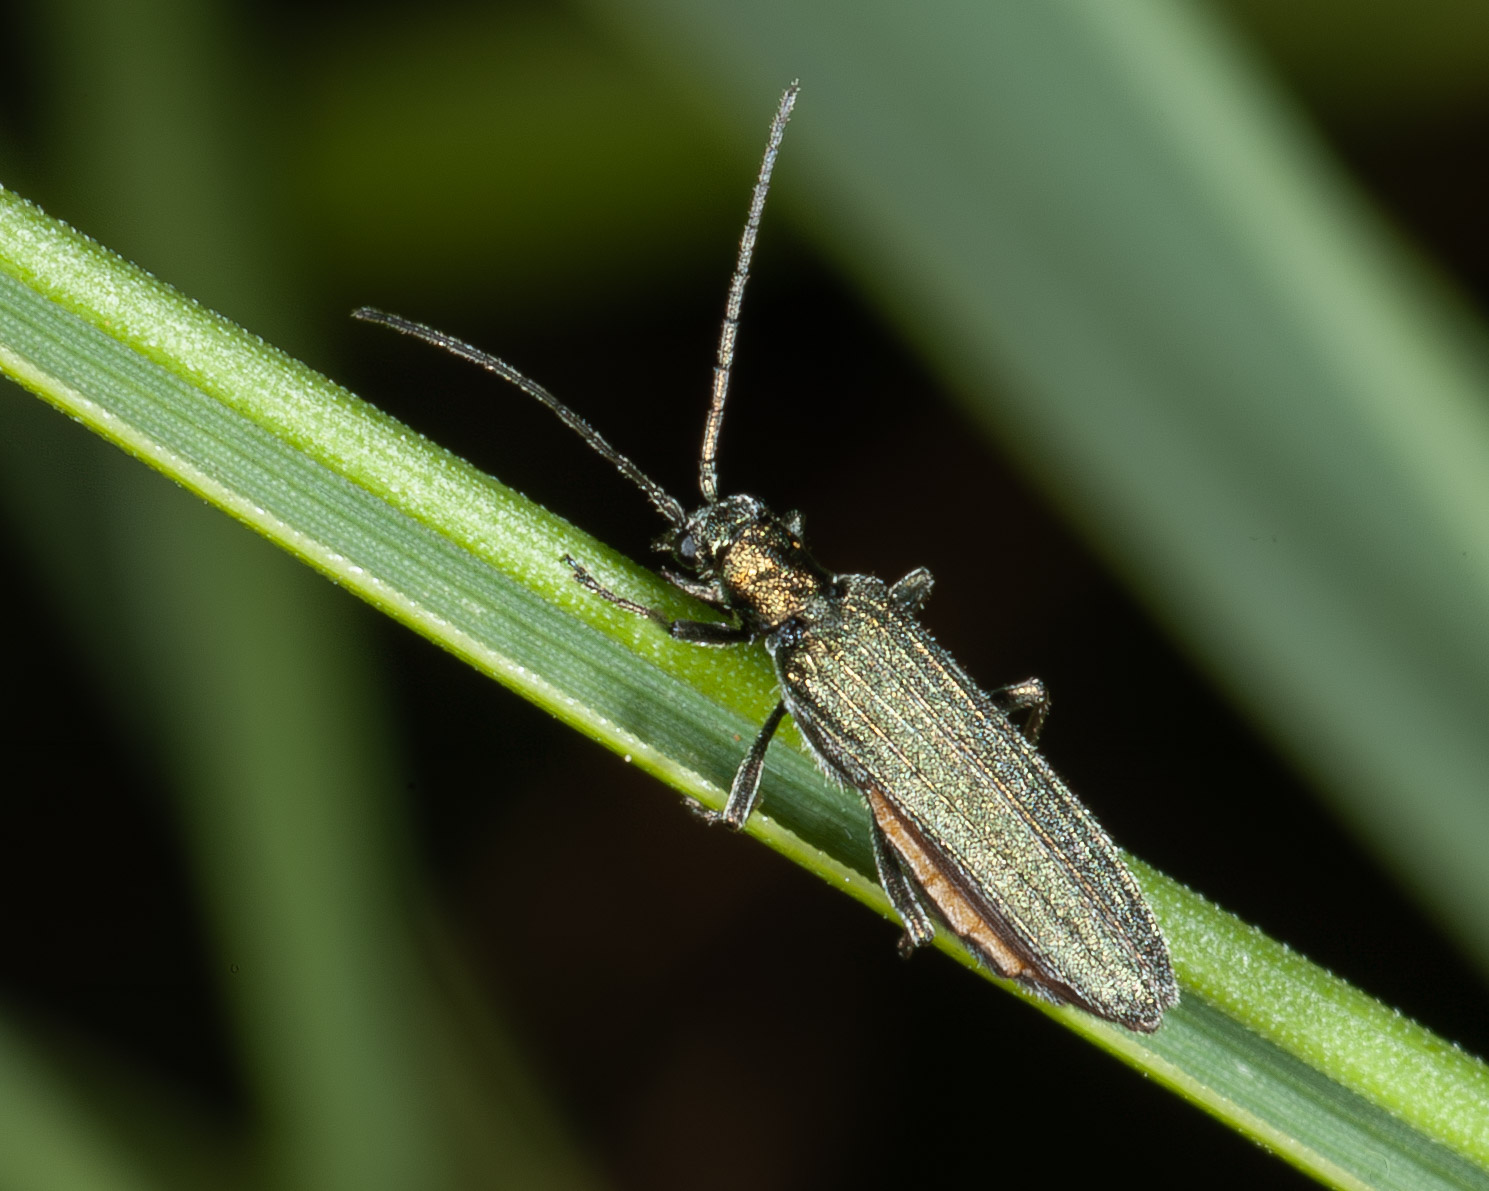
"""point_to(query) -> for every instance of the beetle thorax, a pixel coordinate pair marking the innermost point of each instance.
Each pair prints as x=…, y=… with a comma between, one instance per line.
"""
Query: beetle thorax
x=767, y=572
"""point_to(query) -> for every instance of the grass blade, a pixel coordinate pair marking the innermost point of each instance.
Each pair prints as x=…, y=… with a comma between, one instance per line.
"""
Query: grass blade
x=1336, y=1082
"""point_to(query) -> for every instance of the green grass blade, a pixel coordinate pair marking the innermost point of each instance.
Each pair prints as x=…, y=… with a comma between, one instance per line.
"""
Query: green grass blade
x=1337, y=1083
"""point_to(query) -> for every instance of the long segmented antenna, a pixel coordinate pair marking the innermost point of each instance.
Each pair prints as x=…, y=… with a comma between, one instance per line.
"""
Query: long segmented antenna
x=666, y=505
x=708, y=472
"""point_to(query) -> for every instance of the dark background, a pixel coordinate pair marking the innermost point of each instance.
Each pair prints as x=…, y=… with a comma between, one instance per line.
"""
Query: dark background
x=608, y=927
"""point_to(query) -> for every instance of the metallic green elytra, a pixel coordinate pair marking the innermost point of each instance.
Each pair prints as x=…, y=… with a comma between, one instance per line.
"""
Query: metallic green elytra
x=968, y=820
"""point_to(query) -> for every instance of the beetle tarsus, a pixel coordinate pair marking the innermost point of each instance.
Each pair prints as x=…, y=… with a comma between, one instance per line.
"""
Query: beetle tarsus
x=710, y=816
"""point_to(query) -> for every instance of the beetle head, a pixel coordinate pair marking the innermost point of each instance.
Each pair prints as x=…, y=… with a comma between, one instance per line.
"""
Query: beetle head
x=709, y=531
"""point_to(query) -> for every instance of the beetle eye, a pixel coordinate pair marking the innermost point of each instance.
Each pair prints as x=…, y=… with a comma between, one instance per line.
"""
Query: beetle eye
x=687, y=549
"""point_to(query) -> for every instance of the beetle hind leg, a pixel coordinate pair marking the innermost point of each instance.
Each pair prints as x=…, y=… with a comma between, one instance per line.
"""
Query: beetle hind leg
x=910, y=593
x=1027, y=696
x=903, y=896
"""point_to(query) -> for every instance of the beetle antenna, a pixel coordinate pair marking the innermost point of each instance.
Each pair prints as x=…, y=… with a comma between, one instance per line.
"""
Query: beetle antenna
x=666, y=505
x=708, y=472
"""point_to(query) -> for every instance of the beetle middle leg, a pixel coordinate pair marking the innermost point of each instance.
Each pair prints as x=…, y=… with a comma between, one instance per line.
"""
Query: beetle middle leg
x=902, y=894
x=744, y=791
x=696, y=632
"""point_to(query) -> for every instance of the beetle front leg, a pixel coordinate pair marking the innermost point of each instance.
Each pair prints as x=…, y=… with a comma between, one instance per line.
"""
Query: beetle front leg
x=707, y=593
x=696, y=632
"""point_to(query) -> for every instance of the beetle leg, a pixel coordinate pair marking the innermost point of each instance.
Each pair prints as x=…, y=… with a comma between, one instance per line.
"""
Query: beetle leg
x=696, y=632
x=1029, y=696
x=707, y=592
x=705, y=632
x=919, y=929
x=744, y=793
x=910, y=593
x=590, y=583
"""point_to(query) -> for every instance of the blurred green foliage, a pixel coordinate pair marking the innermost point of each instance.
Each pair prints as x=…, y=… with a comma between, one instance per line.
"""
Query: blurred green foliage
x=1124, y=252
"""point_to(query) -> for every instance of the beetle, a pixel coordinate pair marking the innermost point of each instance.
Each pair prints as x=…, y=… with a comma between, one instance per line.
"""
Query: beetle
x=969, y=823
